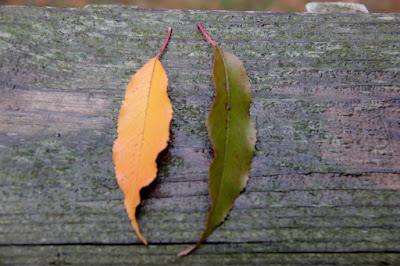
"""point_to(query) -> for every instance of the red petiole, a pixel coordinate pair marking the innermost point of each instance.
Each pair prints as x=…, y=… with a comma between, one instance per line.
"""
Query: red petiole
x=165, y=43
x=206, y=34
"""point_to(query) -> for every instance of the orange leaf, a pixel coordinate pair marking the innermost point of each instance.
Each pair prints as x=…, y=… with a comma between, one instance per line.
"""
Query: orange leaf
x=143, y=132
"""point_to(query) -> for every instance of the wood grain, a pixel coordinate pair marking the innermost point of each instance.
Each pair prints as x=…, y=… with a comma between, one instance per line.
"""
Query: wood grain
x=325, y=180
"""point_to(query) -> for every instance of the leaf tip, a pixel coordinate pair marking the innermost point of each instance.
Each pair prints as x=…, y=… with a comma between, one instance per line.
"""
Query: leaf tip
x=132, y=217
x=186, y=252
x=144, y=240
x=139, y=234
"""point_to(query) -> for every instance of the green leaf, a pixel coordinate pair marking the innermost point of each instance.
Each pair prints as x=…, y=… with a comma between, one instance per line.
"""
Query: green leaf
x=232, y=135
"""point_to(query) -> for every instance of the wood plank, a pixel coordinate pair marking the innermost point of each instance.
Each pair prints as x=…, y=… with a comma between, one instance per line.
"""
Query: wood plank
x=237, y=254
x=325, y=180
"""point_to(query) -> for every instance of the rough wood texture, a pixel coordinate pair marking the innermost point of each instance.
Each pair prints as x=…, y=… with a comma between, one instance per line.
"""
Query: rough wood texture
x=325, y=180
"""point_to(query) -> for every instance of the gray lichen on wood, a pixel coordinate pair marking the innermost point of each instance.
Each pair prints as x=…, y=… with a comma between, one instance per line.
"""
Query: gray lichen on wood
x=325, y=177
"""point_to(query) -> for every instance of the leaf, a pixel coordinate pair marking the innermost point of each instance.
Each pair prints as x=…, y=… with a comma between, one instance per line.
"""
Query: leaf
x=143, y=132
x=232, y=135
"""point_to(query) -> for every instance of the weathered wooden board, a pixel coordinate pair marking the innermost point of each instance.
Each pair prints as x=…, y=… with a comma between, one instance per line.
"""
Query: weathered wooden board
x=325, y=180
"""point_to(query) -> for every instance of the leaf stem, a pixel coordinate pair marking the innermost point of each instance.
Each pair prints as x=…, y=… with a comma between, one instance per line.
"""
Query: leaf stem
x=206, y=34
x=166, y=42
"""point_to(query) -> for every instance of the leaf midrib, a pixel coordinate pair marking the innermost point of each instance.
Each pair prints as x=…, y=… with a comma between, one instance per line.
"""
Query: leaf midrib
x=145, y=120
x=226, y=134
x=227, y=120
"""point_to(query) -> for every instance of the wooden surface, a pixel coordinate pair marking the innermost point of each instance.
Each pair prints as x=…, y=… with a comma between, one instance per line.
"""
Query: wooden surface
x=325, y=180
